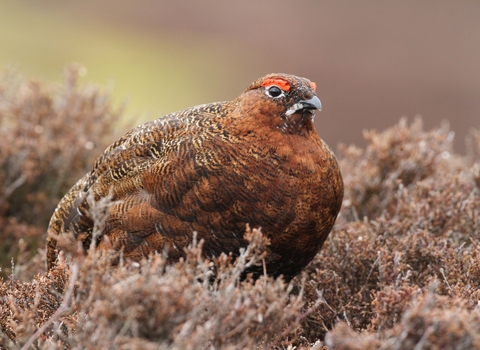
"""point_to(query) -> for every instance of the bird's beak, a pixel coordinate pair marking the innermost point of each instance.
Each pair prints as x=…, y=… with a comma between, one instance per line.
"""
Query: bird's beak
x=313, y=103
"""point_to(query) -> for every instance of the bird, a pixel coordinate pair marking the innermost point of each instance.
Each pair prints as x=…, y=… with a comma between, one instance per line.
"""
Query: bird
x=209, y=171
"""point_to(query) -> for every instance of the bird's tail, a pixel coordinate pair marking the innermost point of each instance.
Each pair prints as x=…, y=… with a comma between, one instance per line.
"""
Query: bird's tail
x=57, y=225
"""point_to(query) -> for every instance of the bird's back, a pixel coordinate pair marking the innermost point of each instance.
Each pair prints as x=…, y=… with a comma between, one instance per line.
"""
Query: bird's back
x=162, y=146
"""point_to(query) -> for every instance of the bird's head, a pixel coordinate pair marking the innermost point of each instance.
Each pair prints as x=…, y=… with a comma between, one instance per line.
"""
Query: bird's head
x=284, y=102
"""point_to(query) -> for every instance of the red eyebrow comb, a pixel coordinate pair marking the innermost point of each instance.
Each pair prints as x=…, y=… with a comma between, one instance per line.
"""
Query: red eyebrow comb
x=281, y=83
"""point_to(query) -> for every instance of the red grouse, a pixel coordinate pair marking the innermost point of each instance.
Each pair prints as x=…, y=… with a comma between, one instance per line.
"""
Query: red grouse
x=213, y=169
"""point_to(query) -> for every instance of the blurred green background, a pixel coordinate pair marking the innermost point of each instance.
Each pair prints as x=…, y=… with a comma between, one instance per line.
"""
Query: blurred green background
x=373, y=61
x=155, y=73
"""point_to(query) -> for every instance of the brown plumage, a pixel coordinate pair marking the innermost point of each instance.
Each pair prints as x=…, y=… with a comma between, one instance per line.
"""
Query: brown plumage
x=214, y=169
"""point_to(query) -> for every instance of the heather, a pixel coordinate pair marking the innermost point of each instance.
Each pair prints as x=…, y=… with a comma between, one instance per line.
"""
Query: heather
x=400, y=270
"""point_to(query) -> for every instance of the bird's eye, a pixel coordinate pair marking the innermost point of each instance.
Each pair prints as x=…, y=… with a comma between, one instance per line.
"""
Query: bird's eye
x=274, y=91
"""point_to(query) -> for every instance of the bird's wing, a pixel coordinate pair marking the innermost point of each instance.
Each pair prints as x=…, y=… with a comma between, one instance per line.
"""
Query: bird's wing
x=129, y=171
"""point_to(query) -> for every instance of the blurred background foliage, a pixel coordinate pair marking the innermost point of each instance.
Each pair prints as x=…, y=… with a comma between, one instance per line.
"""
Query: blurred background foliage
x=153, y=72
x=373, y=61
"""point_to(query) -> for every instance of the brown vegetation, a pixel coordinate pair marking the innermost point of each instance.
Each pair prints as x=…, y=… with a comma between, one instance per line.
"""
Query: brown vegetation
x=49, y=136
x=400, y=269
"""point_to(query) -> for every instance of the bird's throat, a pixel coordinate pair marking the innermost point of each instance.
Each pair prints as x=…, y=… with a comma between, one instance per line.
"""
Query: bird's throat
x=300, y=123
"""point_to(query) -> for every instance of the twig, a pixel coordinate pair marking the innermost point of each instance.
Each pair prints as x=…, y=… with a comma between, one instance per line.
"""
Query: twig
x=445, y=278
